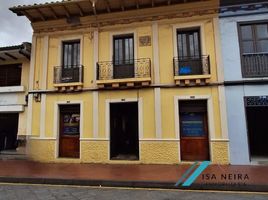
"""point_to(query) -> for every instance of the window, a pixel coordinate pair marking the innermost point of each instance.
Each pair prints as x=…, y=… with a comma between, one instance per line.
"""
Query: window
x=123, y=56
x=254, y=38
x=123, y=49
x=71, y=54
x=190, y=61
x=254, y=49
x=71, y=69
x=10, y=75
x=188, y=43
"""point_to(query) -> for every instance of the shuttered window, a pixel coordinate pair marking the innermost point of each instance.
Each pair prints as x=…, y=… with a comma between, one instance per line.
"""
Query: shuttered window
x=10, y=75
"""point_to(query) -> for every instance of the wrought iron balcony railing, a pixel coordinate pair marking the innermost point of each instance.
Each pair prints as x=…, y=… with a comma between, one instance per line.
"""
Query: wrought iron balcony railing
x=185, y=66
x=68, y=74
x=138, y=68
x=254, y=65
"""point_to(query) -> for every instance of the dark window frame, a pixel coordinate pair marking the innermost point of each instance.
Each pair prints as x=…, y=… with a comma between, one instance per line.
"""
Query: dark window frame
x=242, y=54
x=74, y=63
x=188, y=31
x=254, y=39
x=124, y=61
x=12, y=78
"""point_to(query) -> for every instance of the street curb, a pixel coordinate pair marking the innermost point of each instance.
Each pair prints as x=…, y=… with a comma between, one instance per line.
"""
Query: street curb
x=133, y=184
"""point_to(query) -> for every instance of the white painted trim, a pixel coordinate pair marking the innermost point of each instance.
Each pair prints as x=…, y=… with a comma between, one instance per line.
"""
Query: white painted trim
x=140, y=120
x=95, y=54
x=95, y=113
x=56, y=123
x=43, y=116
x=32, y=63
x=42, y=138
x=45, y=63
x=160, y=140
x=211, y=125
x=223, y=112
x=29, y=114
x=156, y=53
x=219, y=63
x=69, y=38
x=94, y=139
x=11, y=109
x=157, y=109
x=12, y=89
x=200, y=24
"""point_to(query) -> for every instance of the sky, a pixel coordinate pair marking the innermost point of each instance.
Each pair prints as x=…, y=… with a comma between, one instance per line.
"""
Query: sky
x=14, y=29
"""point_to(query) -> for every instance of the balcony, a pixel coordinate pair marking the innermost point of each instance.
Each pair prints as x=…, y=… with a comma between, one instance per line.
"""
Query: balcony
x=68, y=78
x=127, y=73
x=190, y=71
x=255, y=65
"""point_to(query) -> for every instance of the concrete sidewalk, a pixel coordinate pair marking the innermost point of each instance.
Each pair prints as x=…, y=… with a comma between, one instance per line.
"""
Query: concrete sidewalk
x=215, y=177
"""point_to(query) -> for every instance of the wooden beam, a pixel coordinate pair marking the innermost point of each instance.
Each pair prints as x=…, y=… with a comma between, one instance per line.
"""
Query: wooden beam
x=137, y=4
x=41, y=14
x=66, y=11
x=169, y=2
x=80, y=10
x=108, y=7
x=122, y=4
x=11, y=56
x=53, y=13
x=152, y=3
x=28, y=15
x=3, y=59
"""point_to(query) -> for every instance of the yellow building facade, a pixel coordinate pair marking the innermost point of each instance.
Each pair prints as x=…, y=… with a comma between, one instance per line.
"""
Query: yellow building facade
x=123, y=83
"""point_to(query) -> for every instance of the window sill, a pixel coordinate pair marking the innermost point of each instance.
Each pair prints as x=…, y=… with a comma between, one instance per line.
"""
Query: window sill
x=12, y=89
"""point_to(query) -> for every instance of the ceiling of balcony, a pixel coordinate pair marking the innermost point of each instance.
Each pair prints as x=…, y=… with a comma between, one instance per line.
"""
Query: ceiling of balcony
x=81, y=8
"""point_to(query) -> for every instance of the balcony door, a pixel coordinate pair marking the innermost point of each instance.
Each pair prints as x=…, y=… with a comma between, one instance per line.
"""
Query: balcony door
x=70, y=61
x=254, y=49
x=189, y=52
x=123, y=56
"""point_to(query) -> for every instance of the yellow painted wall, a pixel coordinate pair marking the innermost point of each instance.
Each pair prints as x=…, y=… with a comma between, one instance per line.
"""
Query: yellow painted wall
x=163, y=150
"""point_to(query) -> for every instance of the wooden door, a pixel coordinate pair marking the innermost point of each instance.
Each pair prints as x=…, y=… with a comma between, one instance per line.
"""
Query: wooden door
x=194, y=141
x=69, y=143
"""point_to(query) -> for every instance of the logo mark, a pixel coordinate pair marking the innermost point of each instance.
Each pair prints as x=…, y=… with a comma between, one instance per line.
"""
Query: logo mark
x=194, y=174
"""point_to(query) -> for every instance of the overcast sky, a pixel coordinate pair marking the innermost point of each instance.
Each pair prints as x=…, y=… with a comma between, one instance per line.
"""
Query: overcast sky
x=13, y=29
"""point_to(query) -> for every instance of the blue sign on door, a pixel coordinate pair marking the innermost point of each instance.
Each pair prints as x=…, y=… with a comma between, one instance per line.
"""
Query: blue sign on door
x=192, y=125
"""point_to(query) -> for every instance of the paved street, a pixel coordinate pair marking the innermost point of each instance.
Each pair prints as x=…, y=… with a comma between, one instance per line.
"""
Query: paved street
x=36, y=192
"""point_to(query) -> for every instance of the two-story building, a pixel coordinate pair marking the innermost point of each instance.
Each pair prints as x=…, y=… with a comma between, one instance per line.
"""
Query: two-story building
x=126, y=82
x=14, y=69
x=244, y=41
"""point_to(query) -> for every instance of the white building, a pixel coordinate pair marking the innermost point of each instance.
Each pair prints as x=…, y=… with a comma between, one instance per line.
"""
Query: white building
x=244, y=41
x=14, y=78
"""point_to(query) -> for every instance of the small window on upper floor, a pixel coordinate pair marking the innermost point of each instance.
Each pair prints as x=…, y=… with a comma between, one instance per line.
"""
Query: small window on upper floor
x=254, y=49
x=71, y=54
x=190, y=60
x=10, y=75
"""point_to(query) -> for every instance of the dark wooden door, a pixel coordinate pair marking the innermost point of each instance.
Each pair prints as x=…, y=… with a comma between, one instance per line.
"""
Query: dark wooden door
x=69, y=143
x=193, y=131
x=124, y=140
x=123, y=60
x=8, y=131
